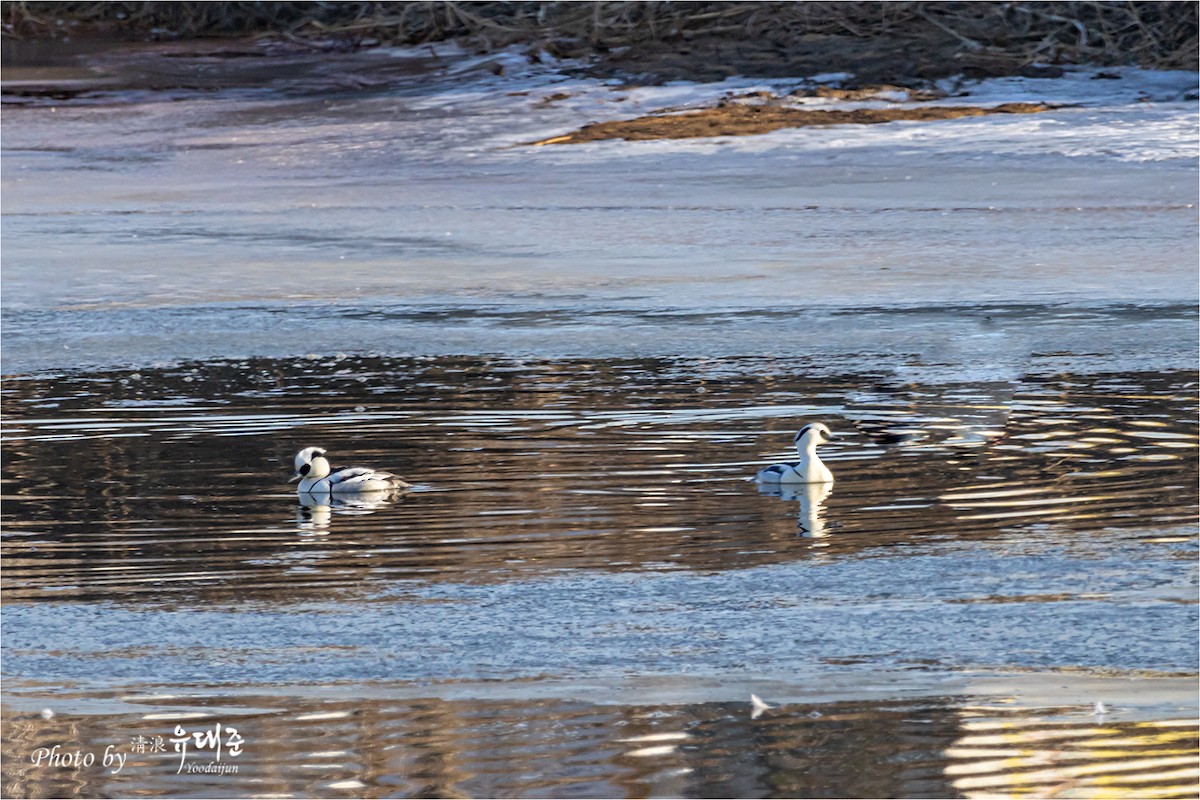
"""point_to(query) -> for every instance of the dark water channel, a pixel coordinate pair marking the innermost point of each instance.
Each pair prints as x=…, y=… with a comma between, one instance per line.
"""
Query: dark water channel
x=582, y=590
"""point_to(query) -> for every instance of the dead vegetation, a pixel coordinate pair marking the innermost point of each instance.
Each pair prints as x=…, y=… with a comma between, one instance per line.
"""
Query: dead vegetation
x=747, y=120
x=1151, y=34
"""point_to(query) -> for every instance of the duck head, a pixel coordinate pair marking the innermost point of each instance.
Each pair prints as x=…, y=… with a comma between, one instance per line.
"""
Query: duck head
x=812, y=435
x=310, y=463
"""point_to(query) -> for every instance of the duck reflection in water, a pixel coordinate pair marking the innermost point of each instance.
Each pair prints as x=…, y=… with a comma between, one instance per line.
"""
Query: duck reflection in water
x=315, y=509
x=810, y=517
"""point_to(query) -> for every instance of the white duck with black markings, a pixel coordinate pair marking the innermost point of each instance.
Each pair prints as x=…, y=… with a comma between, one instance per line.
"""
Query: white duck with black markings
x=810, y=468
x=317, y=477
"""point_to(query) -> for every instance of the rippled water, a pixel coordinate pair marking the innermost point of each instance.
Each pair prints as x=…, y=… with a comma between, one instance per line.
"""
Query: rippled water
x=582, y=589
x=530, y=468
x=380, y=746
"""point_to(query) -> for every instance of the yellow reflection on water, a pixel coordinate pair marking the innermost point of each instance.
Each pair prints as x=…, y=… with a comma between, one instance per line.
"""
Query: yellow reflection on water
x=1095, y=759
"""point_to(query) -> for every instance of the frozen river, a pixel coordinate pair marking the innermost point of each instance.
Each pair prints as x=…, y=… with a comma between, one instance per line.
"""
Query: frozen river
x=406, y=218
x=578, y=354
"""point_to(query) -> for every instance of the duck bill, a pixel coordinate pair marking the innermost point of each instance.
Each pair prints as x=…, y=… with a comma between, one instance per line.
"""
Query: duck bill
x=295, y=478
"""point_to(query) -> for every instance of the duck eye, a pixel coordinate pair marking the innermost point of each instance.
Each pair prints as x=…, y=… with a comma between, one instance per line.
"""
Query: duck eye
x=304, y=470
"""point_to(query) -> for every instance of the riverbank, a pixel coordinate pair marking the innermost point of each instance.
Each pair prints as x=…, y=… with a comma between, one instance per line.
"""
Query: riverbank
x=905, y=43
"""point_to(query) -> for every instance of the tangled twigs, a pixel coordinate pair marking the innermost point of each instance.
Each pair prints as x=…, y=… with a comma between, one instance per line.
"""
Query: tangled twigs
x=1154, y=33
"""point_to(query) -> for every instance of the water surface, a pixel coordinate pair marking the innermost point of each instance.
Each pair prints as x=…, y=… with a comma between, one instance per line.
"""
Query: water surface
x=584, y=571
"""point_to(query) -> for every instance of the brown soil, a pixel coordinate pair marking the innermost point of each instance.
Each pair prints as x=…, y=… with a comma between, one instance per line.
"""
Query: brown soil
x=746, y=120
